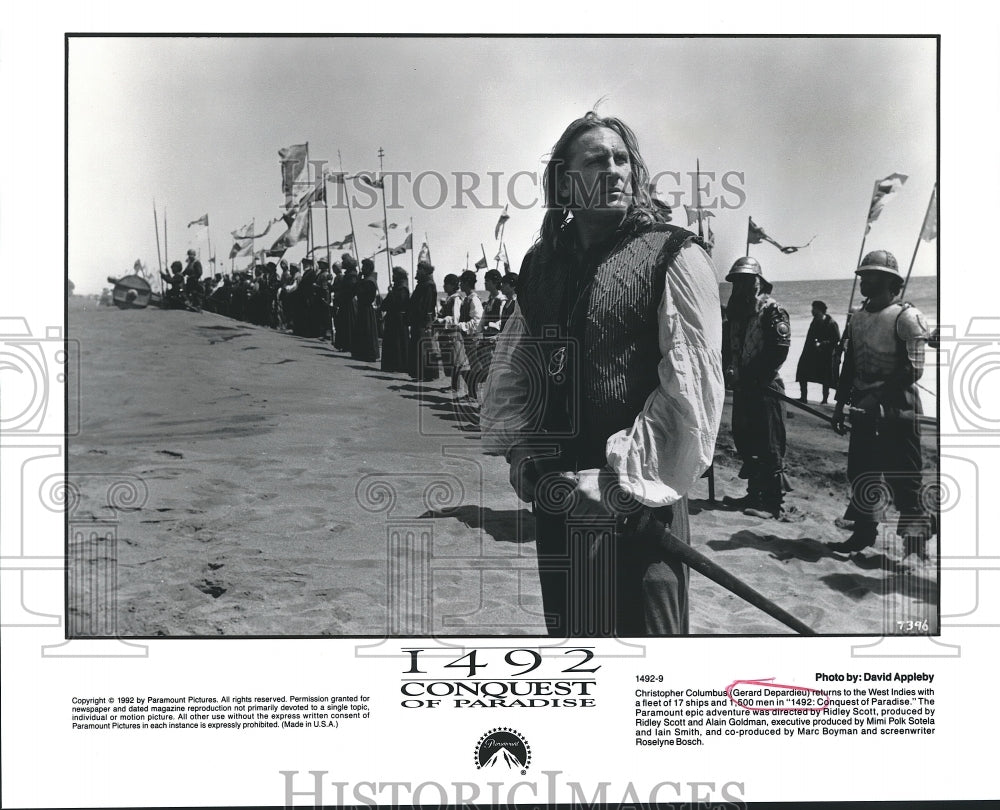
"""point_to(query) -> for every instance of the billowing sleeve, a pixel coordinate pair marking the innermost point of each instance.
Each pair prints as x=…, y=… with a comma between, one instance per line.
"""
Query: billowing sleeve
x=506, y=413
x=672, y=441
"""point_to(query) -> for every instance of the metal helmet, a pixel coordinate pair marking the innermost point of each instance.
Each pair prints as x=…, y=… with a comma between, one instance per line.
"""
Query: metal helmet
x=749, y=266
x=881, y=260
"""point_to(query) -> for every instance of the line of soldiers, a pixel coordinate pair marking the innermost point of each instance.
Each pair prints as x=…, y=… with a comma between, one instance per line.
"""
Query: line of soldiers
x=412, y=333
x=877, y=386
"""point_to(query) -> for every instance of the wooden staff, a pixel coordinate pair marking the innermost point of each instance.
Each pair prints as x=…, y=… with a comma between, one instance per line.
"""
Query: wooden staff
x=385, y=215
x=159, y=261
x=697, y=195
x=909, y=416
x=309, y=236
x=326, y=220
x=708, y=568
x=350, y=216
x=502, y=226
x=861, y=254
x=920, y=238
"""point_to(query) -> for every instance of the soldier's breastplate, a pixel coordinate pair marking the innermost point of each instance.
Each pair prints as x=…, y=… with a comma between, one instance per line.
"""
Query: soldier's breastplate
x=876, y=350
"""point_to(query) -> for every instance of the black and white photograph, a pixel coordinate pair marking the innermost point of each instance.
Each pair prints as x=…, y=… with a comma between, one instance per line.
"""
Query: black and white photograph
x=570, y=406
x=372, y=349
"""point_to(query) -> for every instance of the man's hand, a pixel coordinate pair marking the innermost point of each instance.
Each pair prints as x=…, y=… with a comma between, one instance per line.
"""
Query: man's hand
x=839, y=420
x=523, y=473
x=591, y=489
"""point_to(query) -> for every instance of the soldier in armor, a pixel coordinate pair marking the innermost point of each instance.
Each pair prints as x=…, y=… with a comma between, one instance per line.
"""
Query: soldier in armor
x=759, y=339
x=883, y=361
x=606, y=391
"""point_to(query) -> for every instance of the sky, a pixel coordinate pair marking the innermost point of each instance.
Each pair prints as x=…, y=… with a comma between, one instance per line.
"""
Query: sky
x=791, y=131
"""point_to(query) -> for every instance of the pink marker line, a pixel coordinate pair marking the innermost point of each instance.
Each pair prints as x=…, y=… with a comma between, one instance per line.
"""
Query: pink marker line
x=769, y=683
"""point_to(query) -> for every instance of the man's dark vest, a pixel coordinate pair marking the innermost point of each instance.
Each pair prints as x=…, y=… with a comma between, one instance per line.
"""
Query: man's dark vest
x=607, y=306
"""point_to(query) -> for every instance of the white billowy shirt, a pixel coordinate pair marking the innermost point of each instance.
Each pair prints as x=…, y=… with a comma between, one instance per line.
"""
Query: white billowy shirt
x=672, y=441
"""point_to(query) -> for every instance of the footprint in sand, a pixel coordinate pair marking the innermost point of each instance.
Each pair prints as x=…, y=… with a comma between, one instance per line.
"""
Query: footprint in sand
x=213, y=589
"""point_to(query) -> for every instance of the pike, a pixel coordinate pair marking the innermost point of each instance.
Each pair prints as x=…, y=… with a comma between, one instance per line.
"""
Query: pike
x=709, y=569
x=159, y=260
x=720, y=576
x=909, y=416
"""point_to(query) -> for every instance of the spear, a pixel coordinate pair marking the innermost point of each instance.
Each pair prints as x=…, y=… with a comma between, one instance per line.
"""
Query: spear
x=861, y=253
x=923, y=230
x=350, y=216
x=159, y=261
x=385, y=215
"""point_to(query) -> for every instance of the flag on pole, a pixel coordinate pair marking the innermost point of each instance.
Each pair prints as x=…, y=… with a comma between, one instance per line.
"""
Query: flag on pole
x=336, y=177
x=370, y=180
x=244, y=232
x=502, y=257
x=314, y=196
x=756, y=235
x=347, y=240
x=298, y=230
x=243, y=244
x=504, y=216
x=406, y=245
x=930, y=230
x=884, y=189
x=425, y=254
x=694, y=214
x=293, y=164
x=241, y=248
x=481, y=264
x=202, y=220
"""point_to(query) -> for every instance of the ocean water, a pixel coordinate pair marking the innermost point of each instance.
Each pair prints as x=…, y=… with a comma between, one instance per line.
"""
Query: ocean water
x=797, y=297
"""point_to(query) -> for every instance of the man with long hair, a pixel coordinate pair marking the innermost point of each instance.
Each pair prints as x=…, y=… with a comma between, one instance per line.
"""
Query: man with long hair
x=606, y=389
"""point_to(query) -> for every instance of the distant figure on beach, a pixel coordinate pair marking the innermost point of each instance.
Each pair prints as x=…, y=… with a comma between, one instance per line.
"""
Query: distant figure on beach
x=470, y=316
x=175, y=291
x=396, y=340
x=882, y=364
x=192, y=274
x=486, y=334
x=423, y=306
x=816, y=363
x=345, y=306
x=508, y=286
x=364, y=335
x=449, y=340
x=606, y=390
x=760, y=335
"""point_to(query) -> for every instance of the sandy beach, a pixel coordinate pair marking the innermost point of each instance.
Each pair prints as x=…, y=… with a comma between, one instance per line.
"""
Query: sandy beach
x=278, y=487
